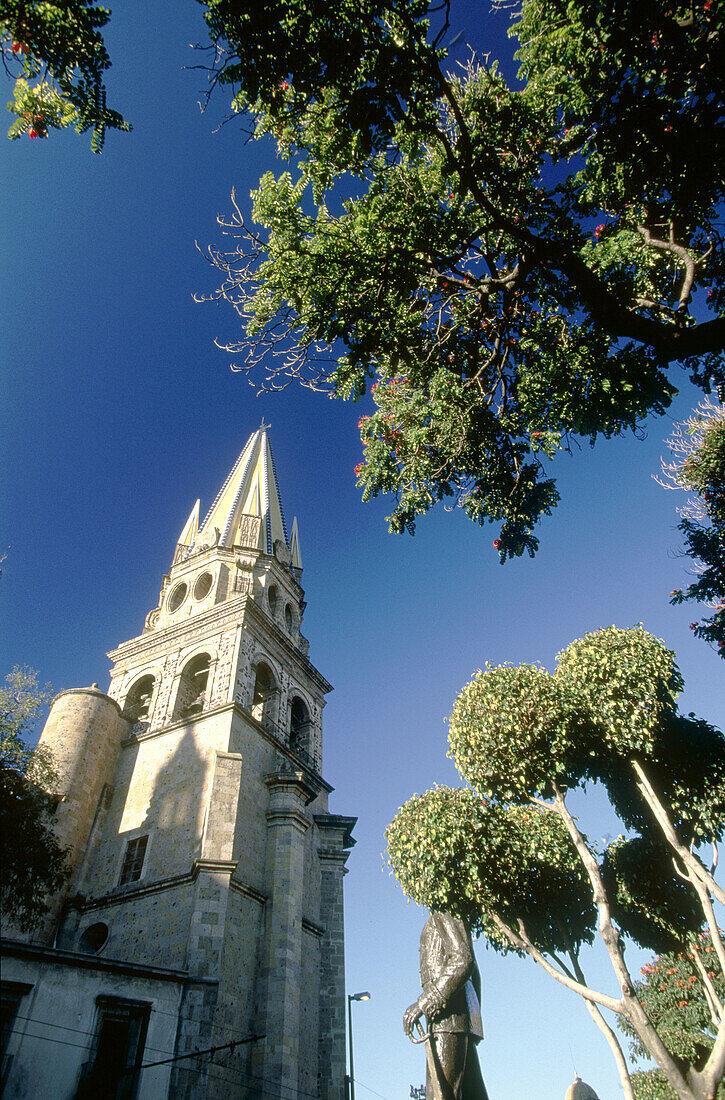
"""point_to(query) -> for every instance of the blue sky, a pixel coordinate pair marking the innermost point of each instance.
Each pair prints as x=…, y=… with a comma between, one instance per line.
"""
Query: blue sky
x=119, y=411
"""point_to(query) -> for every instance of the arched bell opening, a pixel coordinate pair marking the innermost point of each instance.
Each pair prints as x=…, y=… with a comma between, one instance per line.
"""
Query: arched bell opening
x=264, y=699
x=300, y=727
x=138, y=700
x=191, y=697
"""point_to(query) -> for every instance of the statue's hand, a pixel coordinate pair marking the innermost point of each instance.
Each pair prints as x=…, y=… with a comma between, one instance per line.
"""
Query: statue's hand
x=410, y=1019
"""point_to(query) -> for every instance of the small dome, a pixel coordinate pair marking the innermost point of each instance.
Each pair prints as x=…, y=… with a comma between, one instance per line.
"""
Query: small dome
x=580, y=1090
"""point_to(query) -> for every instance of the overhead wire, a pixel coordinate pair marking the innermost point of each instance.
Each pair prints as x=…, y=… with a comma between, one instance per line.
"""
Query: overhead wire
x=294, y=1093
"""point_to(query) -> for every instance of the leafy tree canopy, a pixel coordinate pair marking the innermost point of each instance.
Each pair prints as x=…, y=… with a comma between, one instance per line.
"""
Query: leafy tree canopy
x=698, y=466
x=507, y=855
x=57, y=55
x=504, y=266
x=33, y=863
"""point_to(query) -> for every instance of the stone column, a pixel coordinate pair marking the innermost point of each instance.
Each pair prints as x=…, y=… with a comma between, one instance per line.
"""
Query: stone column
x=335, y=842
x=281, y=983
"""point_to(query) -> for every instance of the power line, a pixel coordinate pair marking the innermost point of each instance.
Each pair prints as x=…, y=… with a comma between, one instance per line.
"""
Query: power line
x=293, y=1093
x=211, y=1051
x=75, y=1030
x=368, y=1089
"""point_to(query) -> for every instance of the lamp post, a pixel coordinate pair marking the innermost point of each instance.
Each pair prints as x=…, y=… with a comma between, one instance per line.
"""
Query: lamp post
x=350, y=1079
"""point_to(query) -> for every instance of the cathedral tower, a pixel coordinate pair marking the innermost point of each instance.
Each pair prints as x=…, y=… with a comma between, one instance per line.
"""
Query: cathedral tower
x=205, y=905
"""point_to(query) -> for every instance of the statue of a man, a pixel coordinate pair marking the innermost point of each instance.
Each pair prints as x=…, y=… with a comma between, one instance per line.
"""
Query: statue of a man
x=450, y=1003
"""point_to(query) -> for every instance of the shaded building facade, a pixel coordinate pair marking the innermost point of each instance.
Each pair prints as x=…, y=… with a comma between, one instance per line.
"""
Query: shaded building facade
x=205, y=905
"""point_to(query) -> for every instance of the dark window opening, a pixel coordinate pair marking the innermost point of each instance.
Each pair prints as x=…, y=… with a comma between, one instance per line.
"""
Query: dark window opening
x=11, y=994
x=112, y=1072
x=177, y=597
x=272, y=599
x=192, y=687
x=133, y=860
x=95, y=936
x=138, y=700
x=300, y=725
x=265, y=694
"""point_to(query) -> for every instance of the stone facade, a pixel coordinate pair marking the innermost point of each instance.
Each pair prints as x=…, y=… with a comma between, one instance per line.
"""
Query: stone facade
x=204, y=856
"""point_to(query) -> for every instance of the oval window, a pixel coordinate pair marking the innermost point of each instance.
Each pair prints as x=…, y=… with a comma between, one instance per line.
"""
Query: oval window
x=94, y=937
x=202, y=587
x=177, y=597
x=288, y=618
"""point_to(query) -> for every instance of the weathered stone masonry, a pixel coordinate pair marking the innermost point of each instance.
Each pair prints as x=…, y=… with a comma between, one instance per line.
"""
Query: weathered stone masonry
x=206, y=903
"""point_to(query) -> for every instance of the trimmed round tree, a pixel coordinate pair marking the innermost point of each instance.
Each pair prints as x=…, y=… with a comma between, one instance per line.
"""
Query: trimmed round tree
x=508, y=856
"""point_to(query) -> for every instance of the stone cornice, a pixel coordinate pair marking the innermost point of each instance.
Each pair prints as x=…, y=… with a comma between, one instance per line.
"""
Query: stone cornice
x=295, y=818
x=230, y=613
x=39, y=953
x=142, y=889
x=336, y=821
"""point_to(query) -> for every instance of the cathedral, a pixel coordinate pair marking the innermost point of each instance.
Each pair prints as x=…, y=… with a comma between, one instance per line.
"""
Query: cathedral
x=198, y=947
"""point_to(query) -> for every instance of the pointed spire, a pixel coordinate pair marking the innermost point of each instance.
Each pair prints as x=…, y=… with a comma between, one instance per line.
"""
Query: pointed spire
x=294, y=545
x=188, y=535
x=251, y=489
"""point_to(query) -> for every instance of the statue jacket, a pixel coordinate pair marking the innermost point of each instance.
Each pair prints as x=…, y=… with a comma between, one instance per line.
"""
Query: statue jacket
x=449, y=976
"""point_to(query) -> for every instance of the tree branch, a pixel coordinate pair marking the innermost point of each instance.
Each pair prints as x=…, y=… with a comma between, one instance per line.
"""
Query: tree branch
x=522, y=941
x=693, y=865
x=630, y=1006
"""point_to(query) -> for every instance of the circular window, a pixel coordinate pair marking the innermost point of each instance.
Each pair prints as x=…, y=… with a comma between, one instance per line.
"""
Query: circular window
x=177, y=597
x=202, y=587
x=94, y=937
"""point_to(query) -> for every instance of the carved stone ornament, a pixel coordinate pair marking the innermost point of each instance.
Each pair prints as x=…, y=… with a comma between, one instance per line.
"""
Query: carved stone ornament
x=248, y=531
x=282, y=553
x=206, y=540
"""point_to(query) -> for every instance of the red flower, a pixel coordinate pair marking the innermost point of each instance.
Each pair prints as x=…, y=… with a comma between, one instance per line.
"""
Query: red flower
x=598, y=231
x=362, y=420
x=284, y=85
x=655, y=40
x=497, y=544
x=358, y=469
x=18, y=47
x=33, y=133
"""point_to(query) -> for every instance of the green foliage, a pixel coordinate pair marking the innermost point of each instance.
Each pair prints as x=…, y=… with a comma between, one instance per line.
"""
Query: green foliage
x=673, y=995
x=699, y=444
x=438, y=242
x=454, y=852
x=505, y=853
x=33, y=863
x=650, y=905
x=59, y=57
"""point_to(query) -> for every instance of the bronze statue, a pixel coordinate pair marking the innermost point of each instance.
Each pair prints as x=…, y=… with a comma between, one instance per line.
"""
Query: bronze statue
x=450, y=1002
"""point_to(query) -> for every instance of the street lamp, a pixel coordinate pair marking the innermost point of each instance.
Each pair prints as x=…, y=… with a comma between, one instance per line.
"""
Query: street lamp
x=350, y=1079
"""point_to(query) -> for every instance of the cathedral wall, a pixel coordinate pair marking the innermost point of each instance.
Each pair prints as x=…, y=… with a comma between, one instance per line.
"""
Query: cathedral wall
x=309, y=1032
x=159, y=791
x=235, y=1009
x=151, y=929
